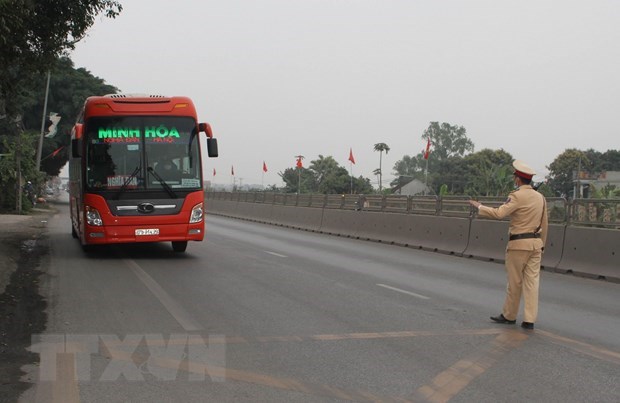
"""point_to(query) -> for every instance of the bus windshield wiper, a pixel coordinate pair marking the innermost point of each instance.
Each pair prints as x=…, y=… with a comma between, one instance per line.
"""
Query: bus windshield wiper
x=128, y=180
x=162, y=182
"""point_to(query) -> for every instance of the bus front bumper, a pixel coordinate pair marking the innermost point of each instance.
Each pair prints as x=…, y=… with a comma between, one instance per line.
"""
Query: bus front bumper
x=143, y=233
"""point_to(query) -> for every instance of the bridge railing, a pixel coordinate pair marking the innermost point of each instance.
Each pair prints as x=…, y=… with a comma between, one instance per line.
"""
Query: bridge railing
x=601, y=213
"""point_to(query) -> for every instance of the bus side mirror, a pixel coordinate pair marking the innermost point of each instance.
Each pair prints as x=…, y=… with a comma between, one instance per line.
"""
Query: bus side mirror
x=78, y=130
x=212, y=147
x=205, y=128
x=211, y=142
x=76, y=137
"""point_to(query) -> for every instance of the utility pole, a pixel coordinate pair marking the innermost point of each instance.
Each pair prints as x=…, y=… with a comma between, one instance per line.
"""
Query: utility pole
x=43, y=119
x=577, y=190
x=18, y=205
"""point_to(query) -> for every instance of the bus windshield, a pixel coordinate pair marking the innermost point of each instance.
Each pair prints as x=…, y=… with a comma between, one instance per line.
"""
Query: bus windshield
x=142, y=153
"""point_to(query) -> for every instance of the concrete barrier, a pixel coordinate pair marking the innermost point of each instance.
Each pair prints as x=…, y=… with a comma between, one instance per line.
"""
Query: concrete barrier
x=224, y=207
x=594, y=252
x=255, y=211
x=340, y=222
x=554, y=246
x=383, y=227
x=307, y=218
x=487, y=240
x=441, y=234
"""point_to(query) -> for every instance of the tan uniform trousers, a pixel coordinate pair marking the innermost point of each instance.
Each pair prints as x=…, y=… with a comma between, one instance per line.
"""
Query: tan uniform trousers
x=523, y=271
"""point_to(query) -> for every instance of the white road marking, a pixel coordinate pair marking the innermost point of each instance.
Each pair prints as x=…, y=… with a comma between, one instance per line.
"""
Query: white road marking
x=173, y=307
x=275, y=254
x=403, y=291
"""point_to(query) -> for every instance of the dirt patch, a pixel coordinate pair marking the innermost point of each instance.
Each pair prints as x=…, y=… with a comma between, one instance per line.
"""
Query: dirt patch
x=23, y=248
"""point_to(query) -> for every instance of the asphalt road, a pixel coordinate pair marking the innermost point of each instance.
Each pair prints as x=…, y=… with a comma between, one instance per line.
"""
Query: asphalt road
x=259, y=313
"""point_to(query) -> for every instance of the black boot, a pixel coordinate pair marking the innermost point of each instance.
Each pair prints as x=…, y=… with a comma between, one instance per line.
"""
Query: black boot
x=502, y=319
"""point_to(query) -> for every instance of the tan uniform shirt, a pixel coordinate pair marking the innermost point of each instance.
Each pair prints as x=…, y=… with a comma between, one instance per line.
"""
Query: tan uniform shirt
x=528, y=213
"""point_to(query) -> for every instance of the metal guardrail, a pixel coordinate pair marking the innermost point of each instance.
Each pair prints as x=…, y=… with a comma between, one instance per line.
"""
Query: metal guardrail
x=602, y=213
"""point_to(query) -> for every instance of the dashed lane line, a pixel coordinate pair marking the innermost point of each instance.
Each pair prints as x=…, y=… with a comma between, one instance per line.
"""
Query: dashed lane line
x=172, y=306
x=413, y=294
x=275, y=254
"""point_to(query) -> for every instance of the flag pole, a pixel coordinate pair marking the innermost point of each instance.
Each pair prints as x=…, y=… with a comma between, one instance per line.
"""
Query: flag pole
x=351, y=162
x=427, y=156
x=426, y=175
x=351, y=167
x=299, y=166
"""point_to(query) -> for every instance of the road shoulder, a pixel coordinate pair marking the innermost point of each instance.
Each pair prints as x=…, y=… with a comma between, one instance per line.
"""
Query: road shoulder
x=24, y=246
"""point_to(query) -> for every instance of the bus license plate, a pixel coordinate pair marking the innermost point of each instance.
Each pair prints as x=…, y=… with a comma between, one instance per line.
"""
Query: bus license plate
x=148, y=231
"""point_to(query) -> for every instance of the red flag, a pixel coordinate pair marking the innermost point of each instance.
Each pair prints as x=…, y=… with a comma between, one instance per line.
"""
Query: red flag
x=428, y=149
x=264, y=167
x=351, y=158
x=213, y=171
x=299, y=164
x=232, y=170
x=57, y=151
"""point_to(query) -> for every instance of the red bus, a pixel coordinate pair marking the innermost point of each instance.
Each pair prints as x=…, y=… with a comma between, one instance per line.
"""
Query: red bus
x=135, y=171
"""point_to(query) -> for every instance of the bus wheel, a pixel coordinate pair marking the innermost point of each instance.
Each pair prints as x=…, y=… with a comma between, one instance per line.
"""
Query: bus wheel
x=179, y=246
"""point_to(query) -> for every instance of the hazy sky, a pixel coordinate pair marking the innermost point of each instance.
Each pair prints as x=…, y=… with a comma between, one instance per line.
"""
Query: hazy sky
x=279, y=78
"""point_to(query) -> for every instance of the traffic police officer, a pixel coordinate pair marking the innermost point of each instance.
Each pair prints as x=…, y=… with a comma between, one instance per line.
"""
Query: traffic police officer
x=527, y=235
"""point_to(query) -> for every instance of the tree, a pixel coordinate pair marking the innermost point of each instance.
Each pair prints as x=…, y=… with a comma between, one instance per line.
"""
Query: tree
x=323, y=169
x=411, y=167
x=563, y=169
x=447, y=141
x=298, y=179
x=545, y=190
x=69, y=88
x=324, y=175
x=451, y=172
x=22, y=150
x=362, y=185
x=332, y=178
x=606, y=192
x=611, y=160
x=381, y=147
x=448, y=146
x=488, y=173
x=33, y=33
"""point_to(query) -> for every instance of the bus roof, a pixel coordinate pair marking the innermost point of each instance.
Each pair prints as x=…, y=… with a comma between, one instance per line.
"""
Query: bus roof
x=128, y=104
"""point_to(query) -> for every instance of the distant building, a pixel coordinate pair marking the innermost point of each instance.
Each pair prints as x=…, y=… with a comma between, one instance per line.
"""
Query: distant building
x=585, y=181
x=413, y=188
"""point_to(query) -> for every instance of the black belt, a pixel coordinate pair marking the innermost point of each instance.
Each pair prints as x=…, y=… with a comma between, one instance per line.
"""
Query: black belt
x=525, y=236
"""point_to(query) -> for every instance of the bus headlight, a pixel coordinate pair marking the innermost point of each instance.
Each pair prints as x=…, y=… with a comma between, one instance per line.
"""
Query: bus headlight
x=93, y=217
x=197, y=214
